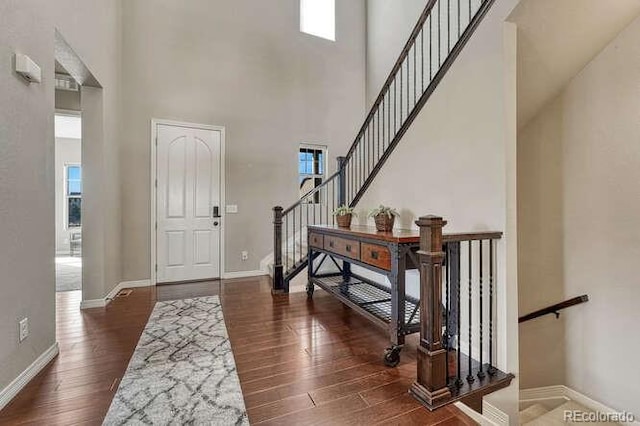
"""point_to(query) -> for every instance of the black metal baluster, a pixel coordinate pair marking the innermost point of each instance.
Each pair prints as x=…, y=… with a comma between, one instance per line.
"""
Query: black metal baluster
x=378, y=137
x=447, y=333
x=491, y=370
x=408, y=82
x=439, y=33
x=448, y=26
x=457, y=280
x=422, y=60
x=389, y=122
x=401, y=93
x=384, y=104
x=395, y=105
x=481, y=372
x=326, y=201
x=470, y=377
x=372, y=139
x=430, y=47
x=469, y=11
x=458, y=19
x=415, y=84
x=286, y=243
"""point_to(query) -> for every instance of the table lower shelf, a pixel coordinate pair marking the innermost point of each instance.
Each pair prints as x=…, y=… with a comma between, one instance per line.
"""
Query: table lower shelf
x=371, y=299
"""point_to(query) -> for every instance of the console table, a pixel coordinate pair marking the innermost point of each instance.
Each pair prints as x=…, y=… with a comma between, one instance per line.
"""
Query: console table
x=388, y=253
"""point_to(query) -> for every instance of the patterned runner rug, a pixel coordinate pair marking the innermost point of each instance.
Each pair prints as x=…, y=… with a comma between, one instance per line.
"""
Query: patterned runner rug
x=182, y=371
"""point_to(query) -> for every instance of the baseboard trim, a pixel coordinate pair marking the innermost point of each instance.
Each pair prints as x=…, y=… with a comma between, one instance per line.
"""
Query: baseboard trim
x=564, y=392
x=101, y=303
x=477, y=417
x=93, y=303
x=243, y=274
x=135, y=284
x=495, y=415
x=8, y=393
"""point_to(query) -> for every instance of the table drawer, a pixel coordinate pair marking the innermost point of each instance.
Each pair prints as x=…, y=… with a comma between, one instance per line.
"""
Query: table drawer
x=376, y=255
x=343, y=246
x=316, y=240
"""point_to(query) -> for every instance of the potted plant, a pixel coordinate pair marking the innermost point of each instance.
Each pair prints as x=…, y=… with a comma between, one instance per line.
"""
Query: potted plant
x=384, y=217
x=343, y=216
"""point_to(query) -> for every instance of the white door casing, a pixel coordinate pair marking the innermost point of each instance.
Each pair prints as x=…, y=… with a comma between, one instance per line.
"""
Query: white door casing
x=188, y=173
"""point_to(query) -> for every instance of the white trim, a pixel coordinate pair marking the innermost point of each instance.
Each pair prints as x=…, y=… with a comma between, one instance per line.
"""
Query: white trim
x=12, y=389
x=135, y=284
x=155, y=122
x=93, y=303
x=494, y=415
x=101, y=303
x=244, y=274
x=564, y=392
x=477, y=417
x=547, y=392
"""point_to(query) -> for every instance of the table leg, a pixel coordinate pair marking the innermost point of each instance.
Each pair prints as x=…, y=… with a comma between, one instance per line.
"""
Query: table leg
x=398, y=295
x=310, y=286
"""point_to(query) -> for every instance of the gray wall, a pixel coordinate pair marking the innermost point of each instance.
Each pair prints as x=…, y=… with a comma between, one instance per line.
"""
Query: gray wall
x=244, y=65
x=580, y=228
x=27, y=244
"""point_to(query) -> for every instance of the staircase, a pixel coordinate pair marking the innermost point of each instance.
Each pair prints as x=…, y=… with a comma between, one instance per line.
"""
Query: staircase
x=539, y=415
x=442, y=31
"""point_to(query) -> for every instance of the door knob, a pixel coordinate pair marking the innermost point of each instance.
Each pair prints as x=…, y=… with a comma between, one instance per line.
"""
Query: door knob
x=215, y=223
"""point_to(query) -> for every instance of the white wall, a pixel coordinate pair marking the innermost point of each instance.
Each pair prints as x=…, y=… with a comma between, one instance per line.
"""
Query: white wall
x=67, y=152
x=244, y=65
x=27, y=238
x=456, y=159
x=587, y=139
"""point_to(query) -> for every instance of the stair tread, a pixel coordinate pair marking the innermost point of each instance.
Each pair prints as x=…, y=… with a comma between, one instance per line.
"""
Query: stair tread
x=556, y=416
x=531, y=413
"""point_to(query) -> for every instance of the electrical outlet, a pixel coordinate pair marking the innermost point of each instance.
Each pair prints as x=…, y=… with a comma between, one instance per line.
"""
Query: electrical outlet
x=24, y=328
x=245, y=255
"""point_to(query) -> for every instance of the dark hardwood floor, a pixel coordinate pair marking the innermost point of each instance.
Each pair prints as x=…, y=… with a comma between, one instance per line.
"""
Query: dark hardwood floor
x=300, y=362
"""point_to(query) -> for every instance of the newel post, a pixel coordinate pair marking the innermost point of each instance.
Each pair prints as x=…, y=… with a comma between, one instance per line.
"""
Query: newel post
x=342, y=183
x=278, y=273
x=430, y=387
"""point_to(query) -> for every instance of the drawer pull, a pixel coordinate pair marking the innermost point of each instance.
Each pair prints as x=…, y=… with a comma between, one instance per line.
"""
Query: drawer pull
x=374, y=255
x=348, y=247
x=331, y=244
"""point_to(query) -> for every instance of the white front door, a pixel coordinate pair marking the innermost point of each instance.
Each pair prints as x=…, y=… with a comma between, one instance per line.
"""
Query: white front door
x=188, y=206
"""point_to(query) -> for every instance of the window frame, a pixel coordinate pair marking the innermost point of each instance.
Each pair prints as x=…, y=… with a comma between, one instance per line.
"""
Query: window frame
x=68, y=196
x=324, y=149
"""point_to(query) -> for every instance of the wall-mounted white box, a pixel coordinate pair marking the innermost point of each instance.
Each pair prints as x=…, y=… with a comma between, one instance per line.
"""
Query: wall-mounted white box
x=28, y=69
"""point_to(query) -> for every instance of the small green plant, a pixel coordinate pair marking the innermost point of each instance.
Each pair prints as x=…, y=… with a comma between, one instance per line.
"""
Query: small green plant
x=344, y=210
x=383, y=210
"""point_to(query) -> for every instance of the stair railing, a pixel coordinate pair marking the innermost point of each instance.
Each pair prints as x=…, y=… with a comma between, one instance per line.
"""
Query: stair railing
x=458, y=282
x=443, y=29
x=289, y=226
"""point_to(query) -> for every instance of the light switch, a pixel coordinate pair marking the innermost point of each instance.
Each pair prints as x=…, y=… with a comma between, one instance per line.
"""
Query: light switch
x=232, y=208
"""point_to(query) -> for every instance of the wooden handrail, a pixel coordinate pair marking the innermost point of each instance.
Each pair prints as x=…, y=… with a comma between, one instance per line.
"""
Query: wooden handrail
x=471, y=236
x=554, y=309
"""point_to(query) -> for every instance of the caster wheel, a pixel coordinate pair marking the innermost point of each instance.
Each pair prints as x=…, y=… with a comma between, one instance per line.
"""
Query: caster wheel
x=392, y=356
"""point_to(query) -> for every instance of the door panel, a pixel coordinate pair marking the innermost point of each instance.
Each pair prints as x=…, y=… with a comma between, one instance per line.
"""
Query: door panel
x=188, y=188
